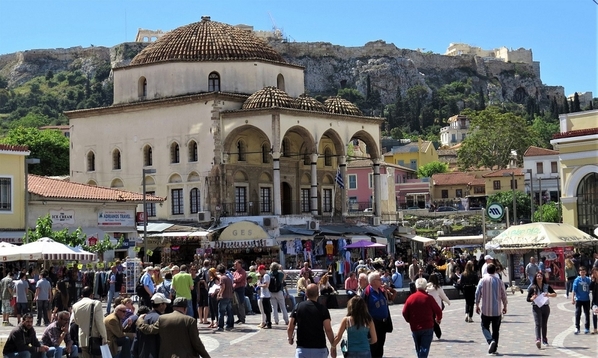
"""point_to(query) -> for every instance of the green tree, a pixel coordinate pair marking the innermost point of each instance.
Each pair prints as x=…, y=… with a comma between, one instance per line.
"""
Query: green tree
x=426, y=171
x=549, y=212
x=31, y=120
x=497, y=134
x=542, y=132
x=505, y=198
x=43, y=228
x=50, y=146
x=576, y=105
x=396, y=133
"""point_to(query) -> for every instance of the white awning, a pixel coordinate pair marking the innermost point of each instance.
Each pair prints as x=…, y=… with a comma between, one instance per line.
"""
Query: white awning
x=173, y=234
x=426, y=193
x=460, y=240
x=200, y=233
x=291, y=237
x=355, y=238
x=424, y=240
x=381, y=240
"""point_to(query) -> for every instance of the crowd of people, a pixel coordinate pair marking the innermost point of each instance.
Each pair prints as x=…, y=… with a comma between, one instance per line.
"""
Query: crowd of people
x=173, y=301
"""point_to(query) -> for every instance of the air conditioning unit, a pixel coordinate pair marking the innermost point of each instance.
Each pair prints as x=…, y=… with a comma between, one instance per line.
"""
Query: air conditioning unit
x=375, y=221
x=313, y=225
x=270, y=223
x=204, y=217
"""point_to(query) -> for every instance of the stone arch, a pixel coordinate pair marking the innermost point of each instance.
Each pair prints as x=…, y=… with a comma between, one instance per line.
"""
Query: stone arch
x=253, y=137
x=117, y=183
x=149, y=180
x=327, y=179
x=265, y=177
x=371, y=145
x=175, y=178
x=92, y=182
x=302, y=136
x=305, y=179
x=193, y=177
x=240, y=176
x=573, y=181
x=587, y=202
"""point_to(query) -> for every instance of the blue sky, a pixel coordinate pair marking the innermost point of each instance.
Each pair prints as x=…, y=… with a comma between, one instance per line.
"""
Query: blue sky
x=561, y=33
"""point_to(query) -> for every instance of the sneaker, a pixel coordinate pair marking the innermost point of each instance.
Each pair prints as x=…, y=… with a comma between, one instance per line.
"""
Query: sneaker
x=545, y=343
x=595, y=331
x=466, y=318
x=538, y=344
x=586, y=331
x=238, y=321
x=261, y=325
x=470, y=320
x=576, y=331
x=492, y=347
x=219, y=329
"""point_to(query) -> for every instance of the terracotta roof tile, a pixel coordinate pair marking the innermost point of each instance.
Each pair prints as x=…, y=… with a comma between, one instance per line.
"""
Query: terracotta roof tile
x=533, y=151
x=340, y=105
x=576, y=133
x=499, y=173
x=453, y=178
x=62, y=189
x=14, y=148
x=269, y=97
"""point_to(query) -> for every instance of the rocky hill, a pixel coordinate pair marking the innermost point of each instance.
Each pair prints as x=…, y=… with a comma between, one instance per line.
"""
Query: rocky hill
x=329, y=67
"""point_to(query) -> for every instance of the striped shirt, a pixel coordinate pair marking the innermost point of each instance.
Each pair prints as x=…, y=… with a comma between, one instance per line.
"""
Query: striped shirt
x=491, y=291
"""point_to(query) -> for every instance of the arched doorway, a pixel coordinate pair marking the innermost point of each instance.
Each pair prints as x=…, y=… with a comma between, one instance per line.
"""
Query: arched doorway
x=587, y=203
x=286, y=193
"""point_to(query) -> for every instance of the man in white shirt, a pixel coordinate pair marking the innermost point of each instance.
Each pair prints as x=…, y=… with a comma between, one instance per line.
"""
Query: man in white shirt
x=489, y=259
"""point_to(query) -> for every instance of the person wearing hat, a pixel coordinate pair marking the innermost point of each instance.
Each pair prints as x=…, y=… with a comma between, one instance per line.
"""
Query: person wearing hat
x=176, y=327
x=489, y=260
x=265, y=298
x=145, y=346
x=421, y=311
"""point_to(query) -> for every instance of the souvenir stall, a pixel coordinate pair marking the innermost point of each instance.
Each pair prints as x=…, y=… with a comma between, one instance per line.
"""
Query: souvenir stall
x=133, y=271
x=242, y=240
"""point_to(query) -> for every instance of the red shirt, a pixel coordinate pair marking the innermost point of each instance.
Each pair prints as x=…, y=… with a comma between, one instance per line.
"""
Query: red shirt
x=419, y=311
x=351, y=284
x=239, y=278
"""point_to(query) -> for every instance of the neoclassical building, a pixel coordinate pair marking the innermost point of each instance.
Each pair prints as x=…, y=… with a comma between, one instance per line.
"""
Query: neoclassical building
x=577, y=145
x=224, y=122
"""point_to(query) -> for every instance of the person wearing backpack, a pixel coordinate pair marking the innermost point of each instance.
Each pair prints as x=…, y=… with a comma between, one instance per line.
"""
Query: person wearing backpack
x=276, y=292
x=165, y=288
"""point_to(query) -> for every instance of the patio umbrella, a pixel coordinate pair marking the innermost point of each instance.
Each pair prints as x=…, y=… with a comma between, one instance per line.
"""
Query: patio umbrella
x=4, y=244
x=52, y=250
x=9, y=252
x=540, y=235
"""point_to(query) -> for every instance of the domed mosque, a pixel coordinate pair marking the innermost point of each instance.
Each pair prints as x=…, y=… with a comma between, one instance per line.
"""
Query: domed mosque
x=224, y=121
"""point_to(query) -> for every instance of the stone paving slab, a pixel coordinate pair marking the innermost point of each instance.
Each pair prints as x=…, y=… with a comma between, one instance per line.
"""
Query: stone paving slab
x=517, y=338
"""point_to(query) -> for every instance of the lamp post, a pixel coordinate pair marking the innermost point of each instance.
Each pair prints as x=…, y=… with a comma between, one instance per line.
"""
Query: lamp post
x=27, y=162
x=145, y=172
x=512, y=175
x=531, y=189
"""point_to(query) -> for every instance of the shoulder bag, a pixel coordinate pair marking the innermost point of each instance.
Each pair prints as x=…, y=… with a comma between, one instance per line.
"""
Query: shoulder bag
x=93, y=343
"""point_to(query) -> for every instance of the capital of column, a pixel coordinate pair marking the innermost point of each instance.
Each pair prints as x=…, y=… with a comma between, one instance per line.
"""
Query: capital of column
x=313, y=157
x=276, y=155
x=377, y=161
x=342, y=160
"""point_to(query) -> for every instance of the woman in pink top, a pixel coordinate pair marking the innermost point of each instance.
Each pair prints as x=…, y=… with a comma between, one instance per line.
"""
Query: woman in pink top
x=351, y=285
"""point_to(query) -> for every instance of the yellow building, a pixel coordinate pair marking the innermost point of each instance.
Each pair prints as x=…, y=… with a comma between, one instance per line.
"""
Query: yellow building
x=412, y=155
x=12, y=188
x=500, y=180
x=577, y=144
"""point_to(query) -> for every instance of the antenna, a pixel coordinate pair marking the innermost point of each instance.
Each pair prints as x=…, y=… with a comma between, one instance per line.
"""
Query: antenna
x=278, y=32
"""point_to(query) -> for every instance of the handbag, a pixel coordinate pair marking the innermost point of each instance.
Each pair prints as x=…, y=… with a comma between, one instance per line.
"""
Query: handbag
x=93, y=343
x=388, y=322
x=344, y=347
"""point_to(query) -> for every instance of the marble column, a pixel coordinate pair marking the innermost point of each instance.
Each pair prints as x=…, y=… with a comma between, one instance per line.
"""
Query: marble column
x=313, y=200
x=276, y=182
x=377, y=190
x=342, y=160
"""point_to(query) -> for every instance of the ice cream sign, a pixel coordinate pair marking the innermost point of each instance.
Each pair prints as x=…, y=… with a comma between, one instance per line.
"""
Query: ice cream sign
x=62, y=217
x=116, y=218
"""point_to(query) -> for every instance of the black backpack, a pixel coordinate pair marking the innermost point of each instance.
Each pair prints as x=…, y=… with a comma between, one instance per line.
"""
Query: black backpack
x=140, y=289
x=275, y=284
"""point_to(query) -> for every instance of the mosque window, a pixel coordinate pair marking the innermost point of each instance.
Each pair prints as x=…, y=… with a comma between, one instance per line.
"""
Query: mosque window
x=193, y=151
x=214, y=82
x=175, y=153
x=91, y=162
x=147, y=156
x=242, y=150
x=116, y=160
x=280, y=82
x=142, y=88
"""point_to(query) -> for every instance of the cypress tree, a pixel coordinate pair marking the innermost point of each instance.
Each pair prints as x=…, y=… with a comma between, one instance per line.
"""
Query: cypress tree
x=576, y=106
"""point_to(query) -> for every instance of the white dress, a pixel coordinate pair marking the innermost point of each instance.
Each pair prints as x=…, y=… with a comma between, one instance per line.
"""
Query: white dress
x=438, y=294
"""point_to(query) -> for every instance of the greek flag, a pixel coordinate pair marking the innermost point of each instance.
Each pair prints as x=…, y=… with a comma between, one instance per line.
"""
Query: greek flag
x=339, y=178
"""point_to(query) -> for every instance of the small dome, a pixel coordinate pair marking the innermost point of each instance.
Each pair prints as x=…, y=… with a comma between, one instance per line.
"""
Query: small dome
x=340, y=105
x=207, y=41
x=269, y=97
x=308, y=103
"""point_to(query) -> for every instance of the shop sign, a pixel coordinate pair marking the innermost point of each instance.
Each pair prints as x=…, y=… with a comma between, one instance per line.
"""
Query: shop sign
x=116, y=218
x=62, y=217
x=92, y=241
x=243, y=230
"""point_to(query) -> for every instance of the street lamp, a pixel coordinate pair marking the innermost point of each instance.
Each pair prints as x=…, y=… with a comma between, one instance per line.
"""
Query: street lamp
x=512, y=175
x=145, y=172
x=531, y=189
x=27, y=162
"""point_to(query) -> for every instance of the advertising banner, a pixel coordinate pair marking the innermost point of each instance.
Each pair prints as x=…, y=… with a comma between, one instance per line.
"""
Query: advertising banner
x=125, y=218
x=62, y=217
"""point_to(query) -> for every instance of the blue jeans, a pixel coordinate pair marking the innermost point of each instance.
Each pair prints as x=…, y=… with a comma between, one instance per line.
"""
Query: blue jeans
x=240, y=292
x=125, y=344
x=422, y=340
x=25, y=354
x=225, y=307
x=311, y=352
x=109, y=301
x=190, y=307
x=57, y=352
x=495, y=321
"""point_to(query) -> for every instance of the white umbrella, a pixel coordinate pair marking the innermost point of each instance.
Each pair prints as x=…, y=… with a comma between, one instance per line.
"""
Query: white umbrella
x=540, y=235
x=4, y=244
x=15, y=253
x=52, y=250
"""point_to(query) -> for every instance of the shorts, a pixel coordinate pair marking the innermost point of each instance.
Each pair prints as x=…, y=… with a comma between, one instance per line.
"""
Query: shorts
x=6, y=307
x=203, y=298
x=22, y=308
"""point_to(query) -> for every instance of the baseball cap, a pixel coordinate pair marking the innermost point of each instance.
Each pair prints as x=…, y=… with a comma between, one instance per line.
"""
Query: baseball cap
x=158, y=298
x=180, y=302
x=261, y=267
x=488, y=257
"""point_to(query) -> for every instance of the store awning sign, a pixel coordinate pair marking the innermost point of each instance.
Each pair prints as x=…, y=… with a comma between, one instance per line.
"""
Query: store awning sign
x=243, y=230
